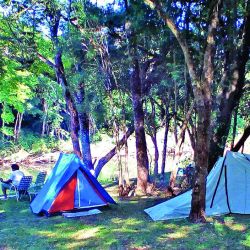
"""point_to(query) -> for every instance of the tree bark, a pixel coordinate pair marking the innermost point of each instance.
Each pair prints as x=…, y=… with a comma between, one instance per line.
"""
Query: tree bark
x=197, y=213
x=74, y=122
x=83, y=119
x=140, y=137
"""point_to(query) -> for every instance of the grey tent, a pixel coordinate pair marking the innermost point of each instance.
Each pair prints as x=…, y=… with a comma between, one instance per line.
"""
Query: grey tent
x=227, y=191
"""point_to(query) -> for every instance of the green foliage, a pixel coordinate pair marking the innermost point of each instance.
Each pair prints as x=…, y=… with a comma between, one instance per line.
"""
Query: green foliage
x=27, y=139
x=7, y=147
x=7, y=115
x=96, y=137
x=35, y=144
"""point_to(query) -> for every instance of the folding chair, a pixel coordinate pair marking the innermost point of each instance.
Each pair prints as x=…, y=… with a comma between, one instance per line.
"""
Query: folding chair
x=38, y=184
x=23, y=187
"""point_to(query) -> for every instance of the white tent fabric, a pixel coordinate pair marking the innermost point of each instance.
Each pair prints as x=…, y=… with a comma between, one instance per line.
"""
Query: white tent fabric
x=227, y=191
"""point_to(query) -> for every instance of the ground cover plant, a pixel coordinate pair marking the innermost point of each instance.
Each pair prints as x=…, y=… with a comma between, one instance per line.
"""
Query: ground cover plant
x=121, y=226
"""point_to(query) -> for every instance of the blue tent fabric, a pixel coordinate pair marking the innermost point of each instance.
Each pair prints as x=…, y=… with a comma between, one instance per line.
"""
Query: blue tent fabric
x=81, y=199
x=227, y=191
x=87, y=185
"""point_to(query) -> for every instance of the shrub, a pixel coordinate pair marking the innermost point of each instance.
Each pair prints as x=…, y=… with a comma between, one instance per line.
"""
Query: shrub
x=27, y=140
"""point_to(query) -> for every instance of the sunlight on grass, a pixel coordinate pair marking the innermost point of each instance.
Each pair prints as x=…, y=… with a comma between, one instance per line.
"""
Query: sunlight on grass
x=174, y=235
x=246, y=242
x=85, y=234
x=121, y=227
x=47, y=234
x=136, y=247
x=237, y=227
x=229, y=222
x=219, y=228
x=132, y=222
x=117, y=221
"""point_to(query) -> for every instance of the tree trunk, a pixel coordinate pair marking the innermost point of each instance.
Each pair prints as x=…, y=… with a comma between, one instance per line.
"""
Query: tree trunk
x=165, y=139
x=140, y=138
x=101, y=163
x=18, y=124
x=126, y=171
x=234, y=127
x=74, y=122
x=45, y=112
x=83, y=119
x=156, y=156
x=175, y=113
x=197, y=213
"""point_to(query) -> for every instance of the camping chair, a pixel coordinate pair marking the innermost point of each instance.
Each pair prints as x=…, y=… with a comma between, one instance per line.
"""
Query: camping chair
x=23, y=187
x=38, y=184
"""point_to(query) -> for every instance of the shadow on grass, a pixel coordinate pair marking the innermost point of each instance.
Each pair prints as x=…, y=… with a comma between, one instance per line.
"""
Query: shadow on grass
x=122, y=226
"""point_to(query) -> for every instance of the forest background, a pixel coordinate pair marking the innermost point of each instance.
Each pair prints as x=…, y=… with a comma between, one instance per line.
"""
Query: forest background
x=174, y=71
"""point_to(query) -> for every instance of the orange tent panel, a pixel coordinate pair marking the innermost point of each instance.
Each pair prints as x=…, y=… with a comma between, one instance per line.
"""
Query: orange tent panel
x=66, y=197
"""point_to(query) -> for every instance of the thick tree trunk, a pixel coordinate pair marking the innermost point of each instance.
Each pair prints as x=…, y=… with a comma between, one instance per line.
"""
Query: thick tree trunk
x=85, y=139
x=101, y=163
x=197, y=213
x=84, y=127
x=242, y=140
x=74, y=122
x=140, y=137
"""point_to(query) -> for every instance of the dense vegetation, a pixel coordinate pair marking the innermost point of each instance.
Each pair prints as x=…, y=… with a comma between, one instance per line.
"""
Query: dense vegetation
x=73, y=69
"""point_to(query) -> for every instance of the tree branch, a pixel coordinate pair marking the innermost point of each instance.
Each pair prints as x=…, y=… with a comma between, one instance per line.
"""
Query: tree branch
x=45, y=60
x=242, y=140
x=154, y=4
x=105, y=159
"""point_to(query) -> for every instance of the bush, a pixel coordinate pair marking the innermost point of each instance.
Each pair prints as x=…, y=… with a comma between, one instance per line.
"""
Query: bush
x=95, y=137
x=27, y=140
x=40, y=146
x=35, y=143
x=7, y=147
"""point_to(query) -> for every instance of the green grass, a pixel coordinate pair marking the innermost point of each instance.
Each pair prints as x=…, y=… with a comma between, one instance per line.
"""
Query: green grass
x=122, y=226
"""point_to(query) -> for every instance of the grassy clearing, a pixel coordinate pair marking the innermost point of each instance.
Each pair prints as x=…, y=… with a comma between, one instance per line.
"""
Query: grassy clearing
x=124, y=226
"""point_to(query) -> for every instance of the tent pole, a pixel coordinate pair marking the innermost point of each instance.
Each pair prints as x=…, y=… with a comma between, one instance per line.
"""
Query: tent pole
x=226, y=189
x=218, y=182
